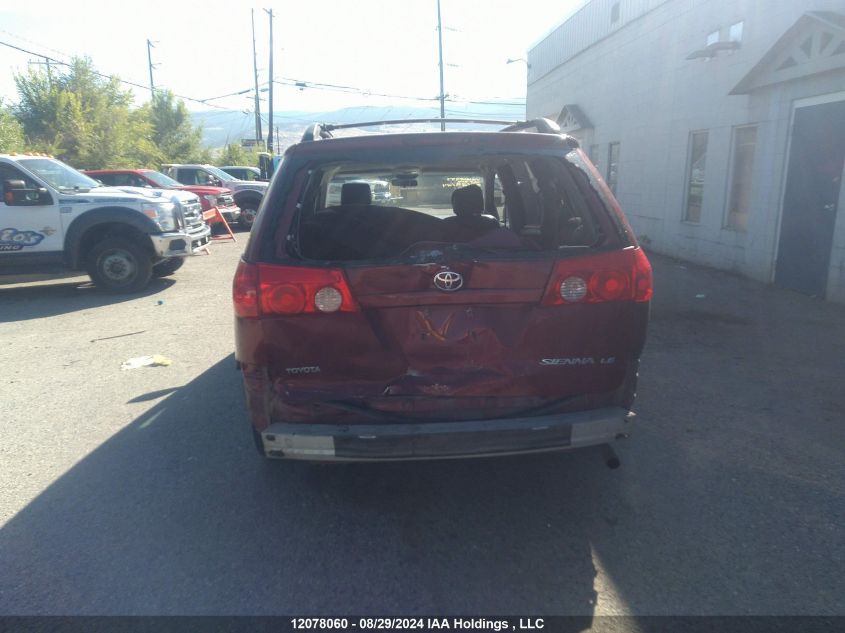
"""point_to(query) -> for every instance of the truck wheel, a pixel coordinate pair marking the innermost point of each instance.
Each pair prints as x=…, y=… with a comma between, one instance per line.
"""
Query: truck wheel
x=248, y=213
x=168, y=266
x=119, y=265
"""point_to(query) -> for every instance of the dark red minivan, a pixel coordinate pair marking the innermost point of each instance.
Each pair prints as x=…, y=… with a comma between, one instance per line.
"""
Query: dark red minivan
x=497, y=305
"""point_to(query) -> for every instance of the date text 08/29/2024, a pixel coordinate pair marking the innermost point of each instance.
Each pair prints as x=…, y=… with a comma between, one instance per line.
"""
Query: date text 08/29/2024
x=459, y=624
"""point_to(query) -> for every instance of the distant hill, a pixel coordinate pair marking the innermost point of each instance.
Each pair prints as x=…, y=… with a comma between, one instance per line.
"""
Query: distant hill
x=230, y=126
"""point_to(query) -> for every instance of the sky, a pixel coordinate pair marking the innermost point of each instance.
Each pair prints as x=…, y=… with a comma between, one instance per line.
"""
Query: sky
x=204, y=49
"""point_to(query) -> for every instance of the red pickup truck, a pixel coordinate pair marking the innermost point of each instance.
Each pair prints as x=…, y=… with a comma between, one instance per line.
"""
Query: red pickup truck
x=210, y=197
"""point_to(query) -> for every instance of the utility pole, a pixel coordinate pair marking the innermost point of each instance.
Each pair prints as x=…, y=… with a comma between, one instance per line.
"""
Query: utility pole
x=150, y=46
x=270, y=122
x=440, y=55
x=46, y=63
x=258, y=136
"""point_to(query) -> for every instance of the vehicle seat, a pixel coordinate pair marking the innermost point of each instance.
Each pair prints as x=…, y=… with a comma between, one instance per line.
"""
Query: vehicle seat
x=355, y=193
x=469, y=221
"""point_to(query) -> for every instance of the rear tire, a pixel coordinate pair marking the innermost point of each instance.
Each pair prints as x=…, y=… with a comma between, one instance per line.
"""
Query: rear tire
x=119, y=265
x=168, y=266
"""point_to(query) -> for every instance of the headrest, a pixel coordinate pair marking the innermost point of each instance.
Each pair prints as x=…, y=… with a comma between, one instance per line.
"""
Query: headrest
x=468, y=200
x=355, y=193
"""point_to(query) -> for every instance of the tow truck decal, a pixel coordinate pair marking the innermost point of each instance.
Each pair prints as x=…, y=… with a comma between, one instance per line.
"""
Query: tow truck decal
x=15, y=240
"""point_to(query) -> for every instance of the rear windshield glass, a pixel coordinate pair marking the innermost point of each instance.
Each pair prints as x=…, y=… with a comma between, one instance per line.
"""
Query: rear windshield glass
x=508, y=205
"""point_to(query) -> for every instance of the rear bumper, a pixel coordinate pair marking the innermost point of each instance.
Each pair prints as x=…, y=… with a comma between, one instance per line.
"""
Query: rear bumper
x=483, y=438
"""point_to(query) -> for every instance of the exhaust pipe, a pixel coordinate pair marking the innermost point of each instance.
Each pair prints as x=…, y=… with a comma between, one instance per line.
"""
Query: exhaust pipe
x=611, y=459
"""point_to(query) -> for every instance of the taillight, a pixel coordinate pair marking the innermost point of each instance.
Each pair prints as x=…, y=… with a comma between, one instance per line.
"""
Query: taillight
x=265, y=290
x=245, y=290
x=643, y=280
x=618, y=276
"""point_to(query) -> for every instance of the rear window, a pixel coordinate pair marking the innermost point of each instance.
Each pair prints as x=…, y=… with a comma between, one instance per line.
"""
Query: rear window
x=506, y=206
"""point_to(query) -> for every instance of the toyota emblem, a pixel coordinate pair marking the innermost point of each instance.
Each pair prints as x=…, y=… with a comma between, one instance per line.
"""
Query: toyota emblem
x=448, y=281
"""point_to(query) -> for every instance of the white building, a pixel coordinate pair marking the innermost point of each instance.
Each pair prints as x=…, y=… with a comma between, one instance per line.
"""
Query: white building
x=720, y=124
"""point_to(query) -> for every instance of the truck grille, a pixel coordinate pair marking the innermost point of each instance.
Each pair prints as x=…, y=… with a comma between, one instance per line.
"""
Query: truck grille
x=192, y=212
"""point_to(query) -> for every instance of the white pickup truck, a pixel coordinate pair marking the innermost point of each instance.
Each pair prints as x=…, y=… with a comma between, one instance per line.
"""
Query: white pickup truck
x=54, y=219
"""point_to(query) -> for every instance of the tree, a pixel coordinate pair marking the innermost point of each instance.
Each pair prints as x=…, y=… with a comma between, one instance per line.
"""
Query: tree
x=234, y=154
x=84, y=118
x=177, y=139
x=11, y=132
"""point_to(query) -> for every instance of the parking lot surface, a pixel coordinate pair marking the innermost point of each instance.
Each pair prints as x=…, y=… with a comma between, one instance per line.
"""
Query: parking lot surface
x=139, y=491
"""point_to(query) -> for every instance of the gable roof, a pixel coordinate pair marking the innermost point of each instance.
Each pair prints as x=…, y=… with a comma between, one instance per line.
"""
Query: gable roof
x=814, y=44
x=572, y=118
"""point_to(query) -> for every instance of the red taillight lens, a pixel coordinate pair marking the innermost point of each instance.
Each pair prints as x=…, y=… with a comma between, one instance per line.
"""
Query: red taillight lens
x=643, y=281
x=618, y=276
x=611, y=285
x=264, y=290
x=282, y=299
x=286, y=290
x=245, y=290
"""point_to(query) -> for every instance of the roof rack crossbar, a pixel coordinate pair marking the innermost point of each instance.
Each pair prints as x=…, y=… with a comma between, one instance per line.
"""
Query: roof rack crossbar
x=317, y=131
x=401, y=121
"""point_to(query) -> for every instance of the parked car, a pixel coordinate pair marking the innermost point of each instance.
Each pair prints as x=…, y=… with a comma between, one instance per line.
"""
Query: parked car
x=247, y=194
x=56, y=219
x=210, y=197
x=370, y=332
x=379, y=191
x=243, y=172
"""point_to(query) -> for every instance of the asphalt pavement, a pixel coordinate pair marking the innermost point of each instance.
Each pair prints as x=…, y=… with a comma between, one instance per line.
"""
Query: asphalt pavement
x=139, y=491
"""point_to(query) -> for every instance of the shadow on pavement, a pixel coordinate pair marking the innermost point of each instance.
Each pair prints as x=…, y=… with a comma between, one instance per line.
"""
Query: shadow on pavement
x=37, y=301
x=153, y=395
x=729, y=500
x=177, y=514
x=731, y=496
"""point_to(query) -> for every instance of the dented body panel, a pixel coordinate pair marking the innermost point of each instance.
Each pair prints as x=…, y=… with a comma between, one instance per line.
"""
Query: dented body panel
x=445, y=353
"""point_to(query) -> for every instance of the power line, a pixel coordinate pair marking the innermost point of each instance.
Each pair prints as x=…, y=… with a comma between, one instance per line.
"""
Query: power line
x=44, y=46
x=284, y=81
x=301, y=84
x=316, y=85
x=104, y=75
x=228, y=94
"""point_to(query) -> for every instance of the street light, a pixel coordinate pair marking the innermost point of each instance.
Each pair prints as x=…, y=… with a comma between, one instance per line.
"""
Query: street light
x=511, y=60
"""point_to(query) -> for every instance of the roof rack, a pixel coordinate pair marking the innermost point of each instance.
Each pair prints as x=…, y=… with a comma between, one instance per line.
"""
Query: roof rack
x=317, y=131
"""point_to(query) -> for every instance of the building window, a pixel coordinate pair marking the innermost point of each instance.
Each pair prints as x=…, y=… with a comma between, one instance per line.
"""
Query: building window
x=742, y=166
x=712, y=38
x=736, y=32
x=613, y=166
x=695, y=176
x=614, y=13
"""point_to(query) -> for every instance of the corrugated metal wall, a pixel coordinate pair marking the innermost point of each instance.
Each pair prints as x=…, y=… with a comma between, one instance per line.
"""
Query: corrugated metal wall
x=589, y=25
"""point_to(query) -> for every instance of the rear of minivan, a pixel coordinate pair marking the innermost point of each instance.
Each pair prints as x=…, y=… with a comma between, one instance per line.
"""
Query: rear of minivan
x=497, y=305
